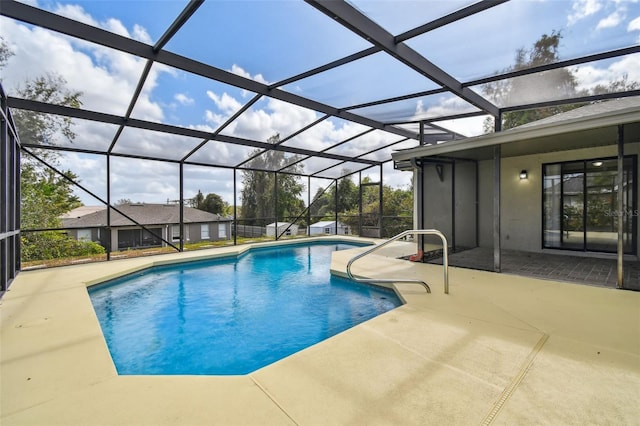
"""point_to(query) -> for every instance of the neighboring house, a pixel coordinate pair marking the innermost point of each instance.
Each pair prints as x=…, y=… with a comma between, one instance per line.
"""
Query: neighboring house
x=525, y=188
x=328, y=227
x=81, y=211
x=284, y=229
x=161, y=220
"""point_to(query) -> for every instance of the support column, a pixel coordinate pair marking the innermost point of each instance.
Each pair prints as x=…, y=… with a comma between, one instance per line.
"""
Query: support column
x=235, y=208
x=309, y=206
x=418, y=199
x=497, y=154
x=497, y=258
x=275, y=195
x=621, y=211
x=381, y=204
x=109, y=240
x=170, y=231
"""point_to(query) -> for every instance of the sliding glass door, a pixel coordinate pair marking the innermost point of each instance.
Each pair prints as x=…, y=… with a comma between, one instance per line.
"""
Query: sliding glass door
x=580, y=205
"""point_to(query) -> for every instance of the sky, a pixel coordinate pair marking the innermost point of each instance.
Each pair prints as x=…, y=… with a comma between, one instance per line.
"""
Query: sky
x=269, y=41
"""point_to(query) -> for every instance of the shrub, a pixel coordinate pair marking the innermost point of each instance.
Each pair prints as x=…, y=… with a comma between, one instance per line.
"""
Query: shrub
x=55, y=245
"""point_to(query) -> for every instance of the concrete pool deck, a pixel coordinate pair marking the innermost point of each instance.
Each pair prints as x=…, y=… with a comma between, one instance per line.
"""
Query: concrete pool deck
x=499, y=349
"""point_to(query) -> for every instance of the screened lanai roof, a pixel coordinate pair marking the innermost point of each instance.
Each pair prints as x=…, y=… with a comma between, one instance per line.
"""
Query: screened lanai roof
x=342, y=83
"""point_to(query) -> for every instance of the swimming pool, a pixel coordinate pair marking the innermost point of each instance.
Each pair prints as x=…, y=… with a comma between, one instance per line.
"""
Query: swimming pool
x=233, y=315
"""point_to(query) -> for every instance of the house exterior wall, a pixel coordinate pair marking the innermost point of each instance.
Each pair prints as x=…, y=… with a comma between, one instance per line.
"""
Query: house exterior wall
x=316, y=230
x=192, y=233
x=271, y=230
x=342, y=229
x=521, y=201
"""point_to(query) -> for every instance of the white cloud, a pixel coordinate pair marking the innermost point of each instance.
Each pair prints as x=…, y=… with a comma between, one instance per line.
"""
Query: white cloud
x=183, y=99
x=236, y=69
x=225, y=102
x=583, y=9
x=611, y=21
x=75, y=12
x=634, y=25
x=105, y=77
x=590, y=77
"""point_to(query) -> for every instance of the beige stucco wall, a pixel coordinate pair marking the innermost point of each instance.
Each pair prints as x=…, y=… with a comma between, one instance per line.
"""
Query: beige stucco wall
x=521, y=201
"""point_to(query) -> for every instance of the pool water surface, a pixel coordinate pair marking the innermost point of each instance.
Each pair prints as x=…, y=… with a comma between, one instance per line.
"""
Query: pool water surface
x=233, y=315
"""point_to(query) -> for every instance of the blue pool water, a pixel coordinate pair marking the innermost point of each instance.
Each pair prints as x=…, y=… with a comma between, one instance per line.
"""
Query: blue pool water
x=233, y=315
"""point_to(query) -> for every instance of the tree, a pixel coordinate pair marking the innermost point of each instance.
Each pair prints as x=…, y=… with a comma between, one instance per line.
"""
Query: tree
x=551, y=84
x=324, y=202
x=258, y=196
x=557, y=83
x=45, y=193
x=5, y=52
x=397, y=205
x=213, y=203
x=197, y=201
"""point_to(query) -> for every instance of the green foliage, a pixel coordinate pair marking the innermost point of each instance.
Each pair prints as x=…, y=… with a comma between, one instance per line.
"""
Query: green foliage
x=46, y=194
x=212, y=203
x=55, y=245
x=45, y=197
x=46, y=129
x=552, y=84
x=324, y=202
x=397, y=206
x=5, y=52
x=258, y=192
x=559, y=83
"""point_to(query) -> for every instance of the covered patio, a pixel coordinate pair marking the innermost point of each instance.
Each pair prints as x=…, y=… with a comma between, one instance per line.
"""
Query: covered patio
x=533, y=200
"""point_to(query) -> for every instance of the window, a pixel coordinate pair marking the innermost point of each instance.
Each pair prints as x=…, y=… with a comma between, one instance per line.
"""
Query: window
x=136, y=238
x=580, y=205
x=327, y=230
x=175, y=232
x=204, y=231
x=222, y=230
x=84, y=234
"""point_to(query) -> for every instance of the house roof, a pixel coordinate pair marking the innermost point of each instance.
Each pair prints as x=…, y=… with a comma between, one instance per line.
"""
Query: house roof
x=280, y=224
x=585, y=127
x=81, y=211
x=144, y=214
x=326, y=223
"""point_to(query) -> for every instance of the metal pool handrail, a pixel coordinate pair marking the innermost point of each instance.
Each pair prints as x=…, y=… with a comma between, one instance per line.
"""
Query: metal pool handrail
x=445, y=260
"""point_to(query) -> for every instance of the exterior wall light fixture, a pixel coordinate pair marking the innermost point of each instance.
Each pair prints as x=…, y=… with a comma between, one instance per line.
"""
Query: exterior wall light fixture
x=523, y=175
